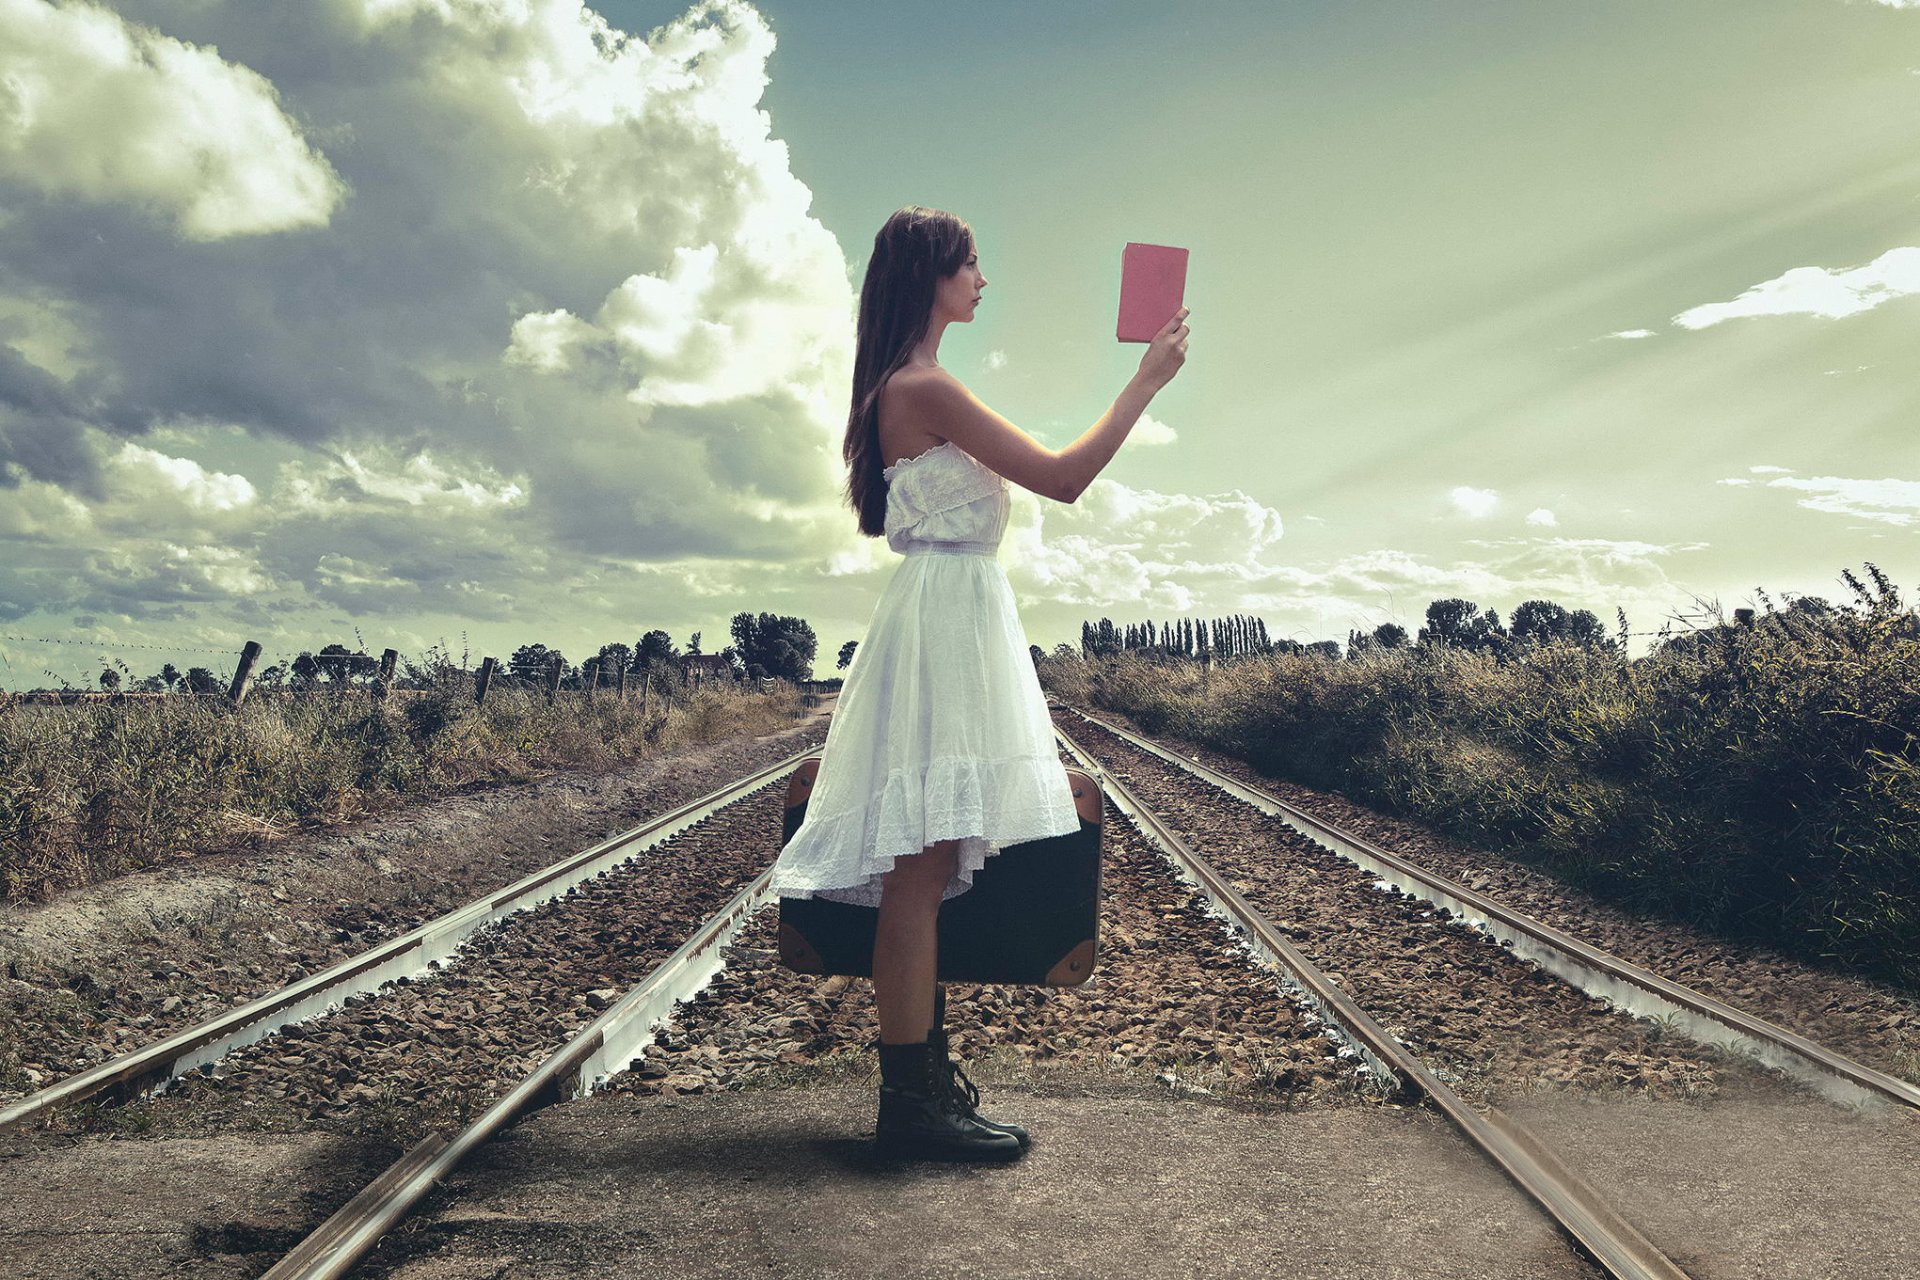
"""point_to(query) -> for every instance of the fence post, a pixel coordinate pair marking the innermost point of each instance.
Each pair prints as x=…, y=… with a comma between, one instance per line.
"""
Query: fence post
x=237, y=692
x=385, y=679
x=620, y=688
x=486, y=678
x=553, y=679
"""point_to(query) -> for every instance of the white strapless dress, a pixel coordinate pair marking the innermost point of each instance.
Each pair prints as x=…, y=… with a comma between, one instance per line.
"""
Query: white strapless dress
x=941, y=731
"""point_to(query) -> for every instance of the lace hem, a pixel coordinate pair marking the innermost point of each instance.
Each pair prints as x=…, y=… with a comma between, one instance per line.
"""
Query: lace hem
x=1028, y=798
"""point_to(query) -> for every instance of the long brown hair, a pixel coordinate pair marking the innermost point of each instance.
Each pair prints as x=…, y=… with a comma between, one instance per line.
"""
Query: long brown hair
x=912, y=253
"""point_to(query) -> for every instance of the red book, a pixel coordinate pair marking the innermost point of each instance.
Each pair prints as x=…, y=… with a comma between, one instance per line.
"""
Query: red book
x=1153, y=279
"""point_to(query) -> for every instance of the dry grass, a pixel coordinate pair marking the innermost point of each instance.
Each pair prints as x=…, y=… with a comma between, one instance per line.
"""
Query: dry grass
x=1760, y=780
x=92, y=790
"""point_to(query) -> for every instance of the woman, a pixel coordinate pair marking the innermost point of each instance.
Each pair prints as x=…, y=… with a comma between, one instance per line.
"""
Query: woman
x=940, y=750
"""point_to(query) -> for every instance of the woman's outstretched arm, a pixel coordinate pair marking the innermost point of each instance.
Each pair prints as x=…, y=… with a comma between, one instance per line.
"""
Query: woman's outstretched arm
x=943, y=404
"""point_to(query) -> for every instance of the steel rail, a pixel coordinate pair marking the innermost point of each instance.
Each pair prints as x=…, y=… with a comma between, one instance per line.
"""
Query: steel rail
x=1579, y=1210
x=605, y=1046
x=1598, y=973
x=407, y=955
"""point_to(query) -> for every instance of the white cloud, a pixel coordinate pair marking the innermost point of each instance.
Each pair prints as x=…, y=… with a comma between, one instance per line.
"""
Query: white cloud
x=1542, y=517
x=1632, y=333
x=1817, y=291
x=1118, y=543
x=1077, y=571
x=574, y=320
x=1765, y=470
x=348, y=484
x=996, y=360
x=95, y=108
x=1474, y=503
x=144, y=469
x=1886, y=501
x=1150, y=430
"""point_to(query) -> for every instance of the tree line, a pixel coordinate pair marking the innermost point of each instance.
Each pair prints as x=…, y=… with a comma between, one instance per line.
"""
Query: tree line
x=764, y=644
x=1453, y=622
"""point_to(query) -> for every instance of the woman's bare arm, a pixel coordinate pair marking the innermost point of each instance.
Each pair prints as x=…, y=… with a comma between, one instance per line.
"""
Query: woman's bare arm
x=943, y=405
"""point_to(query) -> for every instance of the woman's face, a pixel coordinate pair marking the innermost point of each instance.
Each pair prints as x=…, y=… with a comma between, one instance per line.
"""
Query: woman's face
x=957, y=296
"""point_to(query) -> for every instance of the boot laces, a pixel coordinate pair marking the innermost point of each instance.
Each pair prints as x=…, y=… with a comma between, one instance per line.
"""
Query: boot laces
x=962, y=1090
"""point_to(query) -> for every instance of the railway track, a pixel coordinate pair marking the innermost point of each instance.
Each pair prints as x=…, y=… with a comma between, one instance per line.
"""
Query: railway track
x=1590, y=1224
x=1618, y=982
x=155, y=1067
x=598, y=928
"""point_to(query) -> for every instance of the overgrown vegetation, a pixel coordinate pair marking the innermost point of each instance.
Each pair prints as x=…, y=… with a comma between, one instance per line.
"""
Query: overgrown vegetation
x=91, y=790
x=1760, y=778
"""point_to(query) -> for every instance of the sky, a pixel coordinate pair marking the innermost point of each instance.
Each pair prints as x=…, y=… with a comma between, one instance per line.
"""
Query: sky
x=483, y=323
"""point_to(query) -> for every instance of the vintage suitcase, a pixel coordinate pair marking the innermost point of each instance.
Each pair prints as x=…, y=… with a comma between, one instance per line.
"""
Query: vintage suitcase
x=1032, y=915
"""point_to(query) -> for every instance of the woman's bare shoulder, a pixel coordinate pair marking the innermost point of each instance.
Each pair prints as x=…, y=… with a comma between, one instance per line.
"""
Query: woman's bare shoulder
x=904, y=397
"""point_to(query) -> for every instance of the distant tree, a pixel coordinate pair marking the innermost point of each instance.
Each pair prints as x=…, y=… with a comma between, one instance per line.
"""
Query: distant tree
x=171, y=675
x=1540, y=622
x=1035, y=652
x=693, y=643
x=781, y=646
x=1544, y=622
x=603, y=668
x=1103, y=638
x=110, y=680
x=531, y=662
x=1460, y=624
x=655, y=649
x=340, y=664
x=846, y=655
x=1063, y=651
x=1585, y=630
x=200, y=680
x=1391, y=635
x=1324, y=648
x=305, y=671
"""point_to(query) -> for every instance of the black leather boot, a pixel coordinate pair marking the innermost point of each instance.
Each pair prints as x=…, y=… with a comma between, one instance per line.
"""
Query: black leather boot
x=965, y=1096
x=918, y=1116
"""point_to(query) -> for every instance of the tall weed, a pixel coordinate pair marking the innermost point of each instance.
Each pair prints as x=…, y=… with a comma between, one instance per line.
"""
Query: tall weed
x=1760, y=779
x=94, y=789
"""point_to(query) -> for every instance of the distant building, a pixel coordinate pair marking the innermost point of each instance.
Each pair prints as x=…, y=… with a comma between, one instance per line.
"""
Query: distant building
x=698, y=667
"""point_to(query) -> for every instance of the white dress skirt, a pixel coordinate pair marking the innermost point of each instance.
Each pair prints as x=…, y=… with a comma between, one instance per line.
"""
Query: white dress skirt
x=941, y=730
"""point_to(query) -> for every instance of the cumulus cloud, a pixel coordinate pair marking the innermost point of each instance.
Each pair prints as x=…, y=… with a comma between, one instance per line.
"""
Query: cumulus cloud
x=98, y=109
x=1885, y=501
x=1476, y=504
x=1119, y=543
x=1150, y=430
x=556, y=329
x=1542, y=517
x=1816, y=291
x=193, y=484
x=1138, y=552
